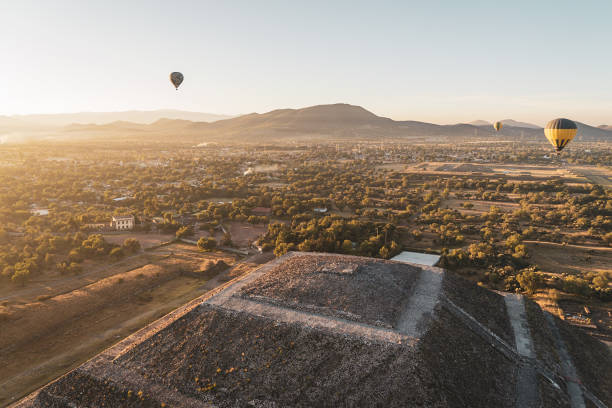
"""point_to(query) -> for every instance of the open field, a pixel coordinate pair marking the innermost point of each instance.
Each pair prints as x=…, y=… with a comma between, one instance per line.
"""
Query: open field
x=479, y=206
x=41, y=340
x=558, y=258
x=242, y=232
x=54, y=284
x=146, y=240
x=526, y=171
x=597, y=175
x=68, y=296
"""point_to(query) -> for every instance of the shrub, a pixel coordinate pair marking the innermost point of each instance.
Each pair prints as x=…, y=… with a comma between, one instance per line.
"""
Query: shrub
x=185, y=231
x=131, y=246
x=575, y=285
x=116, y=253
x=21, y=276
x=530, y=281
x=207, y=244
x=75, y=268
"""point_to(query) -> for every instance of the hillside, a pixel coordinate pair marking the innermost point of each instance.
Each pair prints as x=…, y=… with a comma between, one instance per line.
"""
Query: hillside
x=506, y=122
x=321, y=121
x=100, y=118
x=338, y=121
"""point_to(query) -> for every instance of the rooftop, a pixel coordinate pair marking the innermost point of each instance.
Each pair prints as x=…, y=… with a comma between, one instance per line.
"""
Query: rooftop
x=123, y=217
x=417, y=258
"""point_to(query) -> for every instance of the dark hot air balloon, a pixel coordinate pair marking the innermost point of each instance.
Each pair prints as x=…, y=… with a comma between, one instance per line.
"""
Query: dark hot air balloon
x=560, y=132
x=176, y=78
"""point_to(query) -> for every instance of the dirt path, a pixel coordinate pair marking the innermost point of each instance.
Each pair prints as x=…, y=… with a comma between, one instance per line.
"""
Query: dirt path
x=516, y=312
x=567, y=367
x=413, y=320
x=527, y=394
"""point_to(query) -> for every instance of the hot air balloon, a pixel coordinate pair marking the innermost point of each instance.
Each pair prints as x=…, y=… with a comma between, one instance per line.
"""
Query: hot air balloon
x=498, y=126
x=560, y=132
x=176, y=78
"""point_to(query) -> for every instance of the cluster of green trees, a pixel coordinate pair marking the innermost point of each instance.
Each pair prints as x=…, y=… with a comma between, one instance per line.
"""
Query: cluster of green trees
x=376, y=210
x=333, y=234
x=28, y=257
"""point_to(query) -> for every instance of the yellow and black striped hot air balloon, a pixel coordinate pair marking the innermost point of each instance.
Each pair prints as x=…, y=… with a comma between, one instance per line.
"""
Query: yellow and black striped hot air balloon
x=560, y=132
x=498, y=126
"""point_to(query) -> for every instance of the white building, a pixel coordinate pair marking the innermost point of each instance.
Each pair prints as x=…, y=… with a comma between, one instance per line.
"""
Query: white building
x=123, y=223
x=417, y=258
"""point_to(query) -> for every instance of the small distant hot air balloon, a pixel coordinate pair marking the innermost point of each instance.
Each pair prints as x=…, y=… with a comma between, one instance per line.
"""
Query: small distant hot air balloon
x=176, y=78
x=560, y=132
x=498, y=126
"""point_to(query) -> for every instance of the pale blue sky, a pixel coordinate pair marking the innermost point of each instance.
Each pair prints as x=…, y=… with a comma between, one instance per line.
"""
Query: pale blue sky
x=440, y=61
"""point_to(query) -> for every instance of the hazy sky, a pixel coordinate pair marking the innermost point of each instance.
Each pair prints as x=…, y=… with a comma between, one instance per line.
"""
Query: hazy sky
x=440, y=61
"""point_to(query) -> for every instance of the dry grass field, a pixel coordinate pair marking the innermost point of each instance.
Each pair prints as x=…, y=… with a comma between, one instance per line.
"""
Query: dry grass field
x=527, y=171
x=597, y=175
x=558, y=258
x=52, y=284
x=242, y=233
x=41, y=340
x=146, y=240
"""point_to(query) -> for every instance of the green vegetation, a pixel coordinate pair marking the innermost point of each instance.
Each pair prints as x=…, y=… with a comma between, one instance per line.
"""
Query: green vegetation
x=480, y=222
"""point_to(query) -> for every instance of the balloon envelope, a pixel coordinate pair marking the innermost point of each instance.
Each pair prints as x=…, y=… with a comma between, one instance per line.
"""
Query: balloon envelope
x=176, y=78
x=560, y=132
x=498, y=126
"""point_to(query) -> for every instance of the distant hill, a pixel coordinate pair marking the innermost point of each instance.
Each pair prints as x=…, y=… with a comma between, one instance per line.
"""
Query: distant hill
x=99, y=118
x=320, y=121
x=605, y=127
x=514, y=123
x=506, y=122
x=480, y=123
x=337, y=120
x=591, y=133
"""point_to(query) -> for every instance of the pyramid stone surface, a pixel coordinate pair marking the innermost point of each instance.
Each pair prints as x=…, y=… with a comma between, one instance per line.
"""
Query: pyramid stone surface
x=327, y=330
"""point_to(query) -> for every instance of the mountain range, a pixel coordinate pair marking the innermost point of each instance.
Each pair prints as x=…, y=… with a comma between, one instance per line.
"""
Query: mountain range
x=320, y=121
x=99, y=118
x=506, y=122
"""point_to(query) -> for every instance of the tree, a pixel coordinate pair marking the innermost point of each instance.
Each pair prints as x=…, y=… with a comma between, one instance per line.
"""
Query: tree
x=513, y=240
x=131, y=246
x=185, y=231
x=21, y=275
x=530, y=281
x=49, y=260
x=384, y=252
x=207, y=244
x=600, y=281
x=227, y=240
x=347, y=246
x=74, y=268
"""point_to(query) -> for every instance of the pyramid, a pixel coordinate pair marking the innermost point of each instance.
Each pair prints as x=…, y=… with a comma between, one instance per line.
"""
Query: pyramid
x=327, y=330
